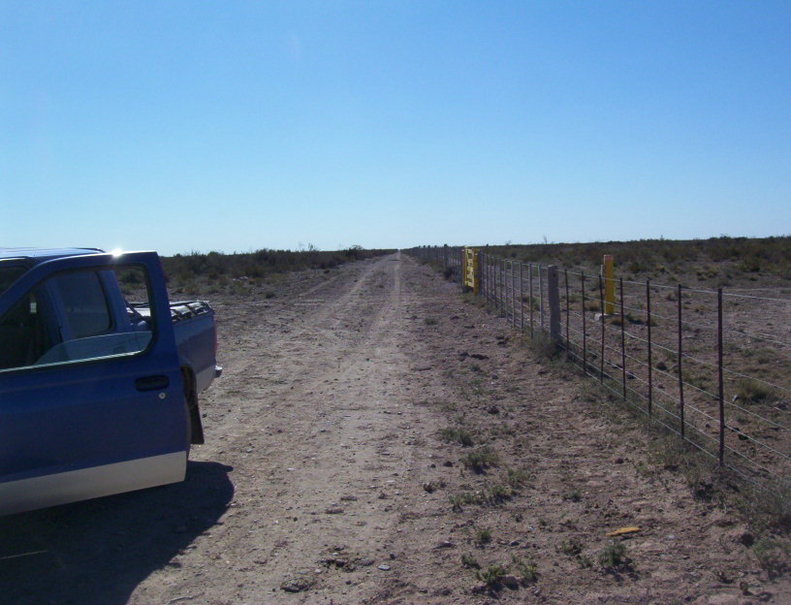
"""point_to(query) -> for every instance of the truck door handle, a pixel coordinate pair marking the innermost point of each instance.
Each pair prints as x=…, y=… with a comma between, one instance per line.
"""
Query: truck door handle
x=152, y=383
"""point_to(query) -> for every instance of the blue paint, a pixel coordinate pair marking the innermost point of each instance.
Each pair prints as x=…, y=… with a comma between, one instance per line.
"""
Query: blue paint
x=65, y=416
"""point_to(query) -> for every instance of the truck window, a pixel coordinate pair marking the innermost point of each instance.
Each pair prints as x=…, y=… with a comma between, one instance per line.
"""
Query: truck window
x=23, y=337
x=8, y=275
x=69, y=318
x=84, y=303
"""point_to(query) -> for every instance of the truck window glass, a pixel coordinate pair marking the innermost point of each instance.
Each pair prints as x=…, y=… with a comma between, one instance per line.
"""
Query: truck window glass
x=134, y=289
x=75, y=316
x=8, y=275
x=84, y=304
x=23, y=336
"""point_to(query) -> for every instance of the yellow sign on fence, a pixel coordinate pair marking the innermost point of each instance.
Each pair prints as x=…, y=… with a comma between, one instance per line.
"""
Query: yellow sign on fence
x=470, y=269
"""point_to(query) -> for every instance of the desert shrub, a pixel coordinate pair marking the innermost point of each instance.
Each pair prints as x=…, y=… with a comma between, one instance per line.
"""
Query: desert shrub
x=481, y=459
x=613, y=556
x=460, y=436
x=768, y=255
x=773, y=555
x=468, y=560
x=754, y=391
x=262, y=263
x=492, y=575
x=483, y=536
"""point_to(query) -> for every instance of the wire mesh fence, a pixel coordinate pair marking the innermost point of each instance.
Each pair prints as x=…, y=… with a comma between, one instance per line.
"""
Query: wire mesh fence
x=710, y=366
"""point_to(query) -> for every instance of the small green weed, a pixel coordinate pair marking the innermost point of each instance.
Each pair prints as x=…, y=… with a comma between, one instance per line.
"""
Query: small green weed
x=773, y=555
x=483, y=536
x=491, y=576
x=497, y=494
x=527, y=571
x=770, y=508
x=459, y=501
x=481, y=459
x=543, y=345
x=457, y=435
x=613, y=556
x=532, y=303
x=753, y=391
x=572, y=547
x=467, y=560
x=494, y=495
x=517, y=478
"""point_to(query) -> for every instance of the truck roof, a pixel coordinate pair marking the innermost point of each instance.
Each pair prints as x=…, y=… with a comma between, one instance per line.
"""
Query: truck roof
x=39, y=255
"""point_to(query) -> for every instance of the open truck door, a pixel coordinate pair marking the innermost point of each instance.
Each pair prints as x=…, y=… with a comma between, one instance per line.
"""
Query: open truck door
x=91, y=401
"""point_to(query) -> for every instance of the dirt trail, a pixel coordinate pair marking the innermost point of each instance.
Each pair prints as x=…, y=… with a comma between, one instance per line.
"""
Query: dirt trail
x=318, y=433
x=324, y=478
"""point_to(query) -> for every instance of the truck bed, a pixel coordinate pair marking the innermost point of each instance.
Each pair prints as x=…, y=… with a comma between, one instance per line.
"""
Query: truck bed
x=193, y=324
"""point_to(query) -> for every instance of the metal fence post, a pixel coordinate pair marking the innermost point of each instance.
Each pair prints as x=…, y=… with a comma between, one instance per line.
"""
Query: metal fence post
x=553, y=294
x=521, y=298
x=508, y=268
x=721, y=393
x=503, y=284
x=650, y=362
x=541, y=296
x=506, y=297
x=513, y=292
x=482, y=269
x=584, y=327
x=492, y=282
x=490, y=270
x=488, y=279
x=498, y=291
x=504, y=291
x=601, y=306
x=496, y=282
x=623, y=340
x=530, y=295
x=680, y=367
x=568, y=313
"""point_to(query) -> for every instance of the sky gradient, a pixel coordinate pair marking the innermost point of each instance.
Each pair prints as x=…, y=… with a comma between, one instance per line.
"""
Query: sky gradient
x=235, y=126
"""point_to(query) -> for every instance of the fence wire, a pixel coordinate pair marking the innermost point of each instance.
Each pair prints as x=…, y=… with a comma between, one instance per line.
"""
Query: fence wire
x=708, y=365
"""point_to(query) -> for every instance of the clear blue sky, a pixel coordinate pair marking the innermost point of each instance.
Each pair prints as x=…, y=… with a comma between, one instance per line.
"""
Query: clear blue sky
x=219, y=125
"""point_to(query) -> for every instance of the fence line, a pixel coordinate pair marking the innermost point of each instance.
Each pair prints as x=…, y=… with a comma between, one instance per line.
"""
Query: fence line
x=690, y=360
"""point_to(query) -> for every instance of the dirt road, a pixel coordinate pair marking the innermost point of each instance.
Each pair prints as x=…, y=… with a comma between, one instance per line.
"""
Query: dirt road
x=338, y=469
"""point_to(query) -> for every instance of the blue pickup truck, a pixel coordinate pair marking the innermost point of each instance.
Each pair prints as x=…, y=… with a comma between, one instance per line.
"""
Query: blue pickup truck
x=99, y=375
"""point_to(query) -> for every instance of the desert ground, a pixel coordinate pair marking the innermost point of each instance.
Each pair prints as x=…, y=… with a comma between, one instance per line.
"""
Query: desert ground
x=377, y=438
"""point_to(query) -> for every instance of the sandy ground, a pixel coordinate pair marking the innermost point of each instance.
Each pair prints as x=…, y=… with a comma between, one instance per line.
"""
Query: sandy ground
x=327, y=477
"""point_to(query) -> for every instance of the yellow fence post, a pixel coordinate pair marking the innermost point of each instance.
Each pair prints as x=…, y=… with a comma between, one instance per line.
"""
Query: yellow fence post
x=476, y=280
x=609, y=285
x=470, y=269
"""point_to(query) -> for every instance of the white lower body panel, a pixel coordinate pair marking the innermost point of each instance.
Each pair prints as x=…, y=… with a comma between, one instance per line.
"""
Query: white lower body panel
x=94, y=482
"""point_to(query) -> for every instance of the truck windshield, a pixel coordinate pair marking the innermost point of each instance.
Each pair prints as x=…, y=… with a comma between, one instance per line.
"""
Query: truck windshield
x=8, y=275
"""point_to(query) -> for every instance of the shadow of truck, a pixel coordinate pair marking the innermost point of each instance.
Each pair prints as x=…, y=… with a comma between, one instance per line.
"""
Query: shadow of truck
x=98, y=551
